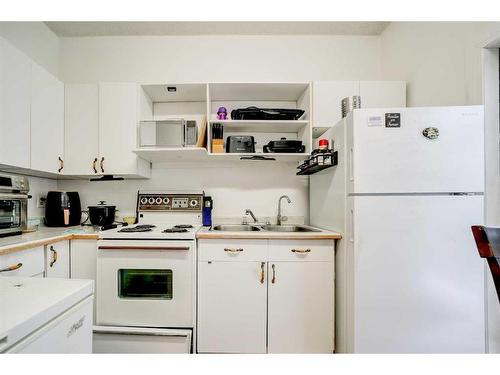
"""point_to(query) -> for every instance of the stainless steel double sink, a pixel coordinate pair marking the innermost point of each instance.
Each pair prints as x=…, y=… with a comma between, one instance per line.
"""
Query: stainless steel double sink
x=260, y=228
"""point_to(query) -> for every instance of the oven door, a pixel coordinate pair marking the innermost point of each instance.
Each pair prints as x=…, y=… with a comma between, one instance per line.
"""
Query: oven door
x=12, y=213
x=145, y=283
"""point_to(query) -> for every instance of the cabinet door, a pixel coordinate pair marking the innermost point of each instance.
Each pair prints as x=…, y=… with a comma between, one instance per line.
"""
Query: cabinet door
x=118, y=128
x=47, y=121
x=15, y=92
x=81, y=127
x=300, y=307
x=57, y=260
x=327, y=98
x=231, y=307
x=382, y=94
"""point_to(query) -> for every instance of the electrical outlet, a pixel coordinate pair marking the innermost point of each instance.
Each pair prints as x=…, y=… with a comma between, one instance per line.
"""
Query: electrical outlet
x=40, y=201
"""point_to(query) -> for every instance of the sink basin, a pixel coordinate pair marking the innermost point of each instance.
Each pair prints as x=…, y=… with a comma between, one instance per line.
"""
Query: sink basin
x=236, y=228
x=288, y=228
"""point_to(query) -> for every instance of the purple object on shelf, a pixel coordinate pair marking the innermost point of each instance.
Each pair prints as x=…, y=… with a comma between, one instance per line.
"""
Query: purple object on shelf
x=222, y=113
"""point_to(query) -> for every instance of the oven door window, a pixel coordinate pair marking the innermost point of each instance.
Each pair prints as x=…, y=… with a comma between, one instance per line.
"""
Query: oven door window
x=10, y=213
x=145, y=284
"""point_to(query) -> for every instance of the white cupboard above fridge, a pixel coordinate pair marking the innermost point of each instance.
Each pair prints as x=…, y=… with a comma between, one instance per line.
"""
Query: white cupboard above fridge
x=104, y=118
x=327, y=97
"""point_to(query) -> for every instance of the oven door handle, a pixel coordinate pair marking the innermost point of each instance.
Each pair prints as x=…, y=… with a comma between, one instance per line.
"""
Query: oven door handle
x=172, y=248
x=13, y=195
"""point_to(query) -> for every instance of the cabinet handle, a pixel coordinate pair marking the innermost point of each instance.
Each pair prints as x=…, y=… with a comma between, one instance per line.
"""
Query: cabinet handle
x=301, y=251
x=102, y=164
x=233, y=250
x=94, y=163
x=12, y=268
x=61, y=162
x=273, y=280
x=262, y=275
x=54, y=256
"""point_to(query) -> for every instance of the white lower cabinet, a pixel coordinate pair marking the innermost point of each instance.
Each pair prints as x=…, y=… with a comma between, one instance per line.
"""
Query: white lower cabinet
x=300, y=307
x=24, y=263
x=57, y=260
x=280, y=303
x=231, y=307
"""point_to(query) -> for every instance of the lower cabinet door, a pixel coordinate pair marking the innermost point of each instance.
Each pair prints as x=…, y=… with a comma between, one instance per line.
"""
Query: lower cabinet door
x=301, y=307
x=232, y=307
x=57, y=260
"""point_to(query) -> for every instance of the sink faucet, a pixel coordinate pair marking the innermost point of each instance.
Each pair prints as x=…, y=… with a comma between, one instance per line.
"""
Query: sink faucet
x=249, y=212
x=280, y=218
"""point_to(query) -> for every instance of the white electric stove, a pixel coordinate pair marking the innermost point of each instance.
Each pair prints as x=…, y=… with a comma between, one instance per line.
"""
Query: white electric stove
x=146, y=277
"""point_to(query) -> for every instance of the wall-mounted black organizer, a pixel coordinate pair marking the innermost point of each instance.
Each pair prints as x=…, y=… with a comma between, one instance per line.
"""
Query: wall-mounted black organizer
x=316, y=167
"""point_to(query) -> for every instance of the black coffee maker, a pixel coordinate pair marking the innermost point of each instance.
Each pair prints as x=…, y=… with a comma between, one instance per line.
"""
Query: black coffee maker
x=63, y=209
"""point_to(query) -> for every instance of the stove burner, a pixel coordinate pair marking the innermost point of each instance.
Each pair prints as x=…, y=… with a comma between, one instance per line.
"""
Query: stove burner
x=138, y=228
x=175, y=230
x=183, y=226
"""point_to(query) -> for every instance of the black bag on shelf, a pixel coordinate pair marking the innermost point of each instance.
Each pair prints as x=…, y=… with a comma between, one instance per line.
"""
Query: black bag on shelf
x=254, y=113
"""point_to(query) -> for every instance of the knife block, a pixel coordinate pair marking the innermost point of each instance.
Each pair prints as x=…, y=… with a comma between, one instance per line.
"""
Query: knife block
x=217, y=146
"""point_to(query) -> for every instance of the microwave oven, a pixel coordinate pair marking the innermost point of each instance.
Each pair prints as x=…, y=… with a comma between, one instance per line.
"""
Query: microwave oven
x=13, y=204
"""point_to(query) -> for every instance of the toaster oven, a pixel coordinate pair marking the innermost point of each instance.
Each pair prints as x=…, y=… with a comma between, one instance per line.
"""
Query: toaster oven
x=13, y=204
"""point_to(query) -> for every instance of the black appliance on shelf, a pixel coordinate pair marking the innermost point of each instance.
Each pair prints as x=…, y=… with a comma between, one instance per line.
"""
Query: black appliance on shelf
x=284, y=146
x=240, y=144
x=254, y=113
x=62, y=209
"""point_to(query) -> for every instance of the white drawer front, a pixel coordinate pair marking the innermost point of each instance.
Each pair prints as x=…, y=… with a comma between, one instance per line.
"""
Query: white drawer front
x=302, y=250
x=232, y=250
x=32, y=260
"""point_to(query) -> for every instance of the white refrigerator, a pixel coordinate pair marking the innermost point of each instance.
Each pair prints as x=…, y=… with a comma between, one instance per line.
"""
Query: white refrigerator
x=407, y=188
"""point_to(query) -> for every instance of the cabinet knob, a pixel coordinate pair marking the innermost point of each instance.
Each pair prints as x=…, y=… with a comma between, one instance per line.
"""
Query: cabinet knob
x=54, y=256
x=12, y=268
x=301, y=251
x=61, y=164
x=102, y=164
x=94, y=165
x=233, y=250
x=273, y=280
x=262, y=275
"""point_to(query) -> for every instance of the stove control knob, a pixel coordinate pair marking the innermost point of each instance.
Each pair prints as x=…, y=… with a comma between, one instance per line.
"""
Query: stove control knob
x=151, y=200
x=158, y=200
x=166, y=200
x=144, y=200
x=193, y=203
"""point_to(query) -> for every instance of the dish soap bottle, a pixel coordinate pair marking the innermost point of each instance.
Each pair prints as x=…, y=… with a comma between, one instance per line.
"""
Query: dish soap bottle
x=207, y=211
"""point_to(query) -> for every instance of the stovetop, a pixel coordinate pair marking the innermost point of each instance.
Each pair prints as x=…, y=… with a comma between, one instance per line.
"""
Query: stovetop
x=153, y=232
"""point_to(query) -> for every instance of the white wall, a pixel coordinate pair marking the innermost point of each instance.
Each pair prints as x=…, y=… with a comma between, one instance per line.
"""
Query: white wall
x=36, y=40
x=234, y=186
x=219, y=58
x=440, y=60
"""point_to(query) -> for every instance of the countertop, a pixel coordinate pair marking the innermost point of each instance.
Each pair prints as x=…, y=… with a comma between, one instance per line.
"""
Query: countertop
x=28, y=303
x=206, y=233
x=45, y=236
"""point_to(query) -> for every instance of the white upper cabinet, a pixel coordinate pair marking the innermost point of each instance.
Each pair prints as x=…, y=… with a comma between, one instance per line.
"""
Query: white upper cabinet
x=327, y=97
x=15, y=92
x=81, y=124
x=47, y=121
x=104, y=118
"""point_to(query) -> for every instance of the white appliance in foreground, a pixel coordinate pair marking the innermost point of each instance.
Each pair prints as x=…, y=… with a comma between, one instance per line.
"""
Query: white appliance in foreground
x=408, y=186
x=146, y=277
x=45, y=315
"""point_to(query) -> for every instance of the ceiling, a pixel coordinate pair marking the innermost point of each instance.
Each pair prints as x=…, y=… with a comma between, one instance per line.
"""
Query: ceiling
x=77, y=29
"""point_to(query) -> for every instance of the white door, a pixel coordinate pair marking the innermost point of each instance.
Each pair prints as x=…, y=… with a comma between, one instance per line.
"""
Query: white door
x=47, y=122
x=145, y=283
x=117, y=128
x=81, y=126
x=402, y=160
x=15, y=93
x=301, y=307
x=382, y=94
x=419, y=282
x=327, y=98
x=232, y=307
x=57, y=260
